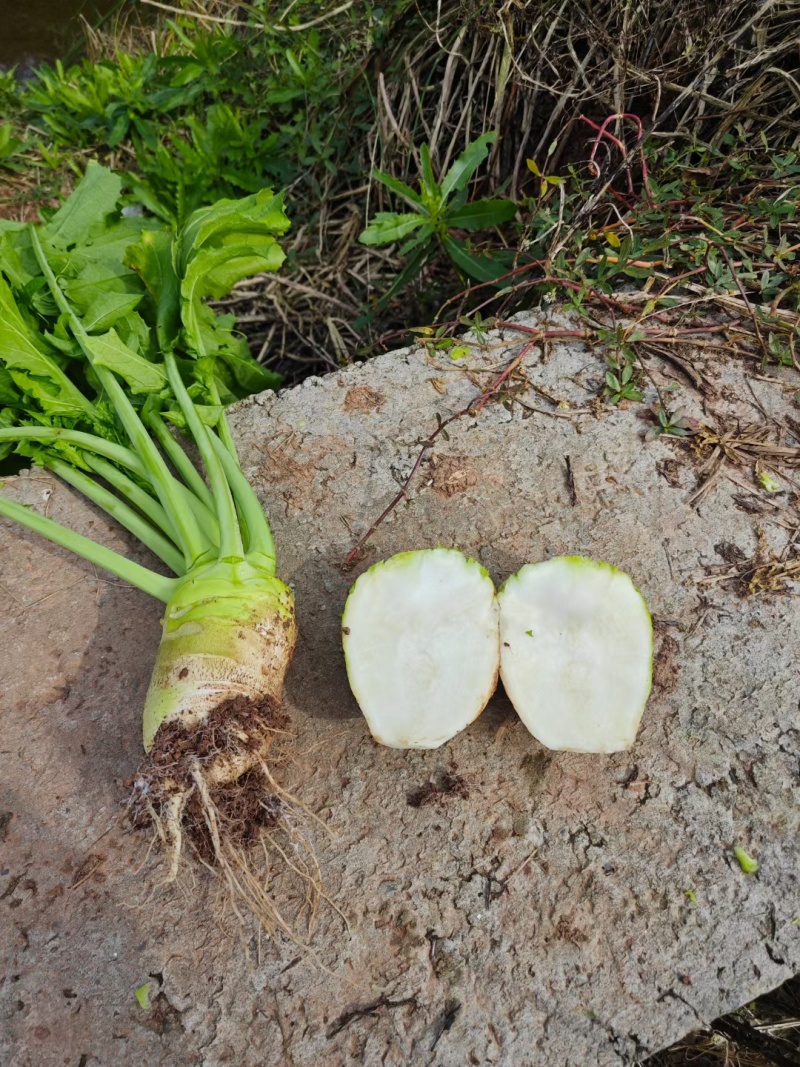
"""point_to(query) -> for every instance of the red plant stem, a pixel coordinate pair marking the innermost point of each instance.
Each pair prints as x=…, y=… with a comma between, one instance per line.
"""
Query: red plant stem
x=602, y=131
x=546, y=279
x=585, y=335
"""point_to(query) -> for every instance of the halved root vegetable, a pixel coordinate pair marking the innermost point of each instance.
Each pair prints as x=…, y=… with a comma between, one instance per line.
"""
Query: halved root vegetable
x=576, y=656
x=422, y=647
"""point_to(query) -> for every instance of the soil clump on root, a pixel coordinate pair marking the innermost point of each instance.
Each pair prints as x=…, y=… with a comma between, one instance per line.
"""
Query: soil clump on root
x=211, y=788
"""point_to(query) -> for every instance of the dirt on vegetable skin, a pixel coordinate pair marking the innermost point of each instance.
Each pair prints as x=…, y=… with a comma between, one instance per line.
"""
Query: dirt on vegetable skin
x=228, y=752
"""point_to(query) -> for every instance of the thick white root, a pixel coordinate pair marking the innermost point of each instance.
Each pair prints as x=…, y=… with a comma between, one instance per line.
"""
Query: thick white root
x=577, y=653
x=229, y=633
x=421, y=643
x=211, y=720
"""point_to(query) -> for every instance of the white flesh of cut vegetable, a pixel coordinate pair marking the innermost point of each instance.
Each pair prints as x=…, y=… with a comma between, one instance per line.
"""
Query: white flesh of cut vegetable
x=576, y=655
x=422, y=646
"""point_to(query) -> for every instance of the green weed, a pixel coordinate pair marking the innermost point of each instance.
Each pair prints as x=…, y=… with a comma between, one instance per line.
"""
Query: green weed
x=438, y=211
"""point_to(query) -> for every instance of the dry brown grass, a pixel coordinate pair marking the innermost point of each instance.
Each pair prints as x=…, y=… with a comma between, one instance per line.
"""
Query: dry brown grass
x=765, y=1033
x=690, y=70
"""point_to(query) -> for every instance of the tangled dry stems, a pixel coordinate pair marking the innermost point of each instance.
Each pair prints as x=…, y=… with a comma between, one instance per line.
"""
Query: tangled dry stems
x=690, y=73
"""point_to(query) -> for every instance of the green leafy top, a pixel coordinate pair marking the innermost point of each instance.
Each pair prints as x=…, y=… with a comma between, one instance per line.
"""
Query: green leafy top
x=105, y=333
x=138, y=290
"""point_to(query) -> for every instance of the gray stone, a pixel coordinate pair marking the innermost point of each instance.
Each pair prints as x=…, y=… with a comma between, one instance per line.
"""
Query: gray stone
x=571, y=910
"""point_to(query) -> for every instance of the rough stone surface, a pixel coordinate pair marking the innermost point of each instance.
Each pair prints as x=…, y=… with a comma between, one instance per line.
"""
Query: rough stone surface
x=500, y=904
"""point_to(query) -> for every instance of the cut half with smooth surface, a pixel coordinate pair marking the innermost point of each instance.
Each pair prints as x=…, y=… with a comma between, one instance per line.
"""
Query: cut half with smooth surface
x=422, y=646
x=576, y=655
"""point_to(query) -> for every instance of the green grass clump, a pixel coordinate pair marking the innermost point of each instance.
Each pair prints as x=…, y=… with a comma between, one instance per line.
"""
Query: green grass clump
x=618, y=150
x=216, y=109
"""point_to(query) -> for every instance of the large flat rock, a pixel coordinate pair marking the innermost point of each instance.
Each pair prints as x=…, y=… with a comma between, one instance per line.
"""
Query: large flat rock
x=500, y=904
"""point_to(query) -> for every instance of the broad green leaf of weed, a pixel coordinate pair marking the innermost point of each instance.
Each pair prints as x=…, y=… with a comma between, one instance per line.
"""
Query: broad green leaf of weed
x=432, y=196
x=420, y=237
x=398, y=187
x=481, y=268
x=482, y=214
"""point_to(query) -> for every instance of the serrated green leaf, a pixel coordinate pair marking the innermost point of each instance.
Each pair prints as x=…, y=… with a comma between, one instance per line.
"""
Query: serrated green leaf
x=135, y=333
x=240, y=373
x=13, y=266
x=8, y=418
x=110, y=351
x=94, y=280
x=467, y=163
x=56, y=449
x=422, y=236
x=432, y=195
x=108, y=308
x=388, y=227
x=94, y=197
x=212, y=273
x=398, y=187
x=249, y=220
x=32, y=369
x=9, y=394
x=103, y=243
